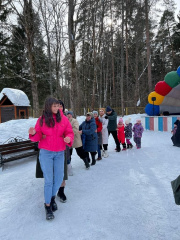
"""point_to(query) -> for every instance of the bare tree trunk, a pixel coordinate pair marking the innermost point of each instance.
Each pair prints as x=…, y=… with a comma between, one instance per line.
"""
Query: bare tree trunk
x=127, y=53
x=95, y=70
x=171, y=43
x=112, y=60
x=72, y=53
x=148, y=46
x=136, y=92
x=94, y=90
x=43, y=9
x=122, y=61
x=29, y=28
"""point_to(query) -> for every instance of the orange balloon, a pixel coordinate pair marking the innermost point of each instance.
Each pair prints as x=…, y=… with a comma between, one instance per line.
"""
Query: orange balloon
x=155, y=98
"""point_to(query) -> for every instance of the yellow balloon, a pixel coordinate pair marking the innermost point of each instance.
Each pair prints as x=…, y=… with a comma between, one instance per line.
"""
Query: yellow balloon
x=155, y=98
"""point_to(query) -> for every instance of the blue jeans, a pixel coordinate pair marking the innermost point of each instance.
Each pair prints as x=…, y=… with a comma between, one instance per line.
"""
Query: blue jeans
x=52, y=165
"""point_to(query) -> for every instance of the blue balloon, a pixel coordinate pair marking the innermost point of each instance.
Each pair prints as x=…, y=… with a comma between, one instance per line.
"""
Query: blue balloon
x=152, y=110
x=178, y=71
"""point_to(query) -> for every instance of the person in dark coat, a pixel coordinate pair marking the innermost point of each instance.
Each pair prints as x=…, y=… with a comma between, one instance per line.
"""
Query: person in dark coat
x=77, y=144
x=176, y=189
x=111, y=115
x=67, y=156
x=176, y=136
x=89, y=130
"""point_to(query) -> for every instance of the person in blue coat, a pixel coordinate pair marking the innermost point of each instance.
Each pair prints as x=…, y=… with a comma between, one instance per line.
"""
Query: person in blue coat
x=88, y=129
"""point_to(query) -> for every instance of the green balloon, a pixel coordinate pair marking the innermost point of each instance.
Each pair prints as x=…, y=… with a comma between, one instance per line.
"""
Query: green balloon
x=172, y=79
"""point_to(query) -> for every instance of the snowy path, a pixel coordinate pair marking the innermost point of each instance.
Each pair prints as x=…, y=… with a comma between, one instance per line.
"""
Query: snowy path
x=127, y=196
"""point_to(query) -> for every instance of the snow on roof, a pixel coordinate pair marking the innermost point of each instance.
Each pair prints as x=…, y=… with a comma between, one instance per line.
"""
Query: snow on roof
x=17, y=97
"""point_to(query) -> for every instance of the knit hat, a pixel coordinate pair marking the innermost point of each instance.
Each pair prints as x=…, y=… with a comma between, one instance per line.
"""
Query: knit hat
x=138, y=120
x=95, y=112
x=108, y=109
x=120, y=120
x=70, y=112
x=127, y=121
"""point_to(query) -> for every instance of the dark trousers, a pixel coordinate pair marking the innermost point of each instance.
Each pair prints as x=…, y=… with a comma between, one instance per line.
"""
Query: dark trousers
x=105, y=146
x=80, y=152
x=114, y=134
x=137, y=140
x=92, y=155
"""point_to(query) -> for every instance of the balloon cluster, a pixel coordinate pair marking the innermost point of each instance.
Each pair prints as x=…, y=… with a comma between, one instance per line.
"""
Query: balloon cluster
x=166, y=97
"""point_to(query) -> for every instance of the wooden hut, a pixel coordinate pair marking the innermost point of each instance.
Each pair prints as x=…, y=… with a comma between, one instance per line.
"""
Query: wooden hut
x=14, y=104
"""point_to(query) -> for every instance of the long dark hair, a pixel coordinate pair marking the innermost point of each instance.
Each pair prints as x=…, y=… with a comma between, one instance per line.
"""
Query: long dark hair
x=61, y=103
x=47, y=112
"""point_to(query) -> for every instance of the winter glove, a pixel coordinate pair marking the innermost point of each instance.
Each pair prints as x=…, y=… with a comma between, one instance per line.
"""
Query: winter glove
x=106, y=117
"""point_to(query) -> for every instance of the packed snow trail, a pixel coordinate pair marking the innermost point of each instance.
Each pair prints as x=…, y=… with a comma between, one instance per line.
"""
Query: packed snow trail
x=126, y=196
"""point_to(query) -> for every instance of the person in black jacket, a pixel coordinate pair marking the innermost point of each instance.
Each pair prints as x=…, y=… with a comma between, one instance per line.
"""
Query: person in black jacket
x=111, y=115
x=176, y=136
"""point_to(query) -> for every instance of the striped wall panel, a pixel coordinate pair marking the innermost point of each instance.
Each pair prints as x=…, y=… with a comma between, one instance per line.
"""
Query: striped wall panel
x=152, y=123
x=161, y=123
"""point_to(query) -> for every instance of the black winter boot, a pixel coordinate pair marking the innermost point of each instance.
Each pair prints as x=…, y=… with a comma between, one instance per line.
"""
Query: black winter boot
x=118, y=149
x=128, y=146
x=53, y=204
x=49, y=212
x=93, y=160
x=62, y=195
x=124, y=146
x=86, y=163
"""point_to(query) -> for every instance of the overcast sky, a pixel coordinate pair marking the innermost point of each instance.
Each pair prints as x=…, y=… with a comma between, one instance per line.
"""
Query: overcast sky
x=178, y=6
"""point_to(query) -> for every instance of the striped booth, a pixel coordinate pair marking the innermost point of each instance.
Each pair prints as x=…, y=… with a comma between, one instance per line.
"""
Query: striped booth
x=160, y=123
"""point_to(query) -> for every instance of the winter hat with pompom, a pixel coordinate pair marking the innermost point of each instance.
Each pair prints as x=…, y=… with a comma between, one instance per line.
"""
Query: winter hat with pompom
x=120, y=120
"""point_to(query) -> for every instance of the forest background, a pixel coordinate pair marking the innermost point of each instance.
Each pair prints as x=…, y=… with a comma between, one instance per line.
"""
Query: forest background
x=88, y=53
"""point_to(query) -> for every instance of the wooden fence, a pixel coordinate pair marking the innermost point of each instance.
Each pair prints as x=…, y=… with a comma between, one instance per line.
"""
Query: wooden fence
x=83, y=111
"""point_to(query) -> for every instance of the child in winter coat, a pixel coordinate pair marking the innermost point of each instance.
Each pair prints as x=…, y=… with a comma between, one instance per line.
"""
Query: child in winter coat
x=138, y=130
x=99, y=133
x=121, y=134
x=128, y=132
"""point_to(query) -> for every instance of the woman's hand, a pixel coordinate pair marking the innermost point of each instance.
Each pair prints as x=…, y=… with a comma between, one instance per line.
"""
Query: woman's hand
x=32, y=131
x=43, y=136
x=67, y=139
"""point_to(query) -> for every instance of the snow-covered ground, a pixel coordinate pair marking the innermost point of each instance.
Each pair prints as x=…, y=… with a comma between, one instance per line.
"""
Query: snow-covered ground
x=126, y=196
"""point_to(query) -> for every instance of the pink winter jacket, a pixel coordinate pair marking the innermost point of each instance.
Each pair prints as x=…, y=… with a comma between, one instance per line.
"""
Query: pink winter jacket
x=54, y=136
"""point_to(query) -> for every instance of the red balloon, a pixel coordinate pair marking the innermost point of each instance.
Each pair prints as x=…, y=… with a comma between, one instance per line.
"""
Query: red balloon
x=162, y=88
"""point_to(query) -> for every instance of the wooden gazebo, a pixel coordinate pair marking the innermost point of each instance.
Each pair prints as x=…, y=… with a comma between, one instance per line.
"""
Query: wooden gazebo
x=14, y=104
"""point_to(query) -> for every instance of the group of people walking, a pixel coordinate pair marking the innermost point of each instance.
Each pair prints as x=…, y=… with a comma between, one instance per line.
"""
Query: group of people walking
x=57, y=134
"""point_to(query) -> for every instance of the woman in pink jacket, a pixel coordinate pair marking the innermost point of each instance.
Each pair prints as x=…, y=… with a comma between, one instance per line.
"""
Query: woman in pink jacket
x=53, y=131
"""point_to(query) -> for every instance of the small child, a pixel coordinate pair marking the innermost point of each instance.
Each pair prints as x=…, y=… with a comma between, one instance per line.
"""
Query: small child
x=128, y=132
x=121, y=134
x=138, y=130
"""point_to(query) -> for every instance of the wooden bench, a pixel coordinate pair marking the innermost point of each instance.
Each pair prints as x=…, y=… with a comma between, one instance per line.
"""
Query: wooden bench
x=17, y=149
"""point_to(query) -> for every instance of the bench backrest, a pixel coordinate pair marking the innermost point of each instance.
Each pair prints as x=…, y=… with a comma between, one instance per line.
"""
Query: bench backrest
x=17, y=150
